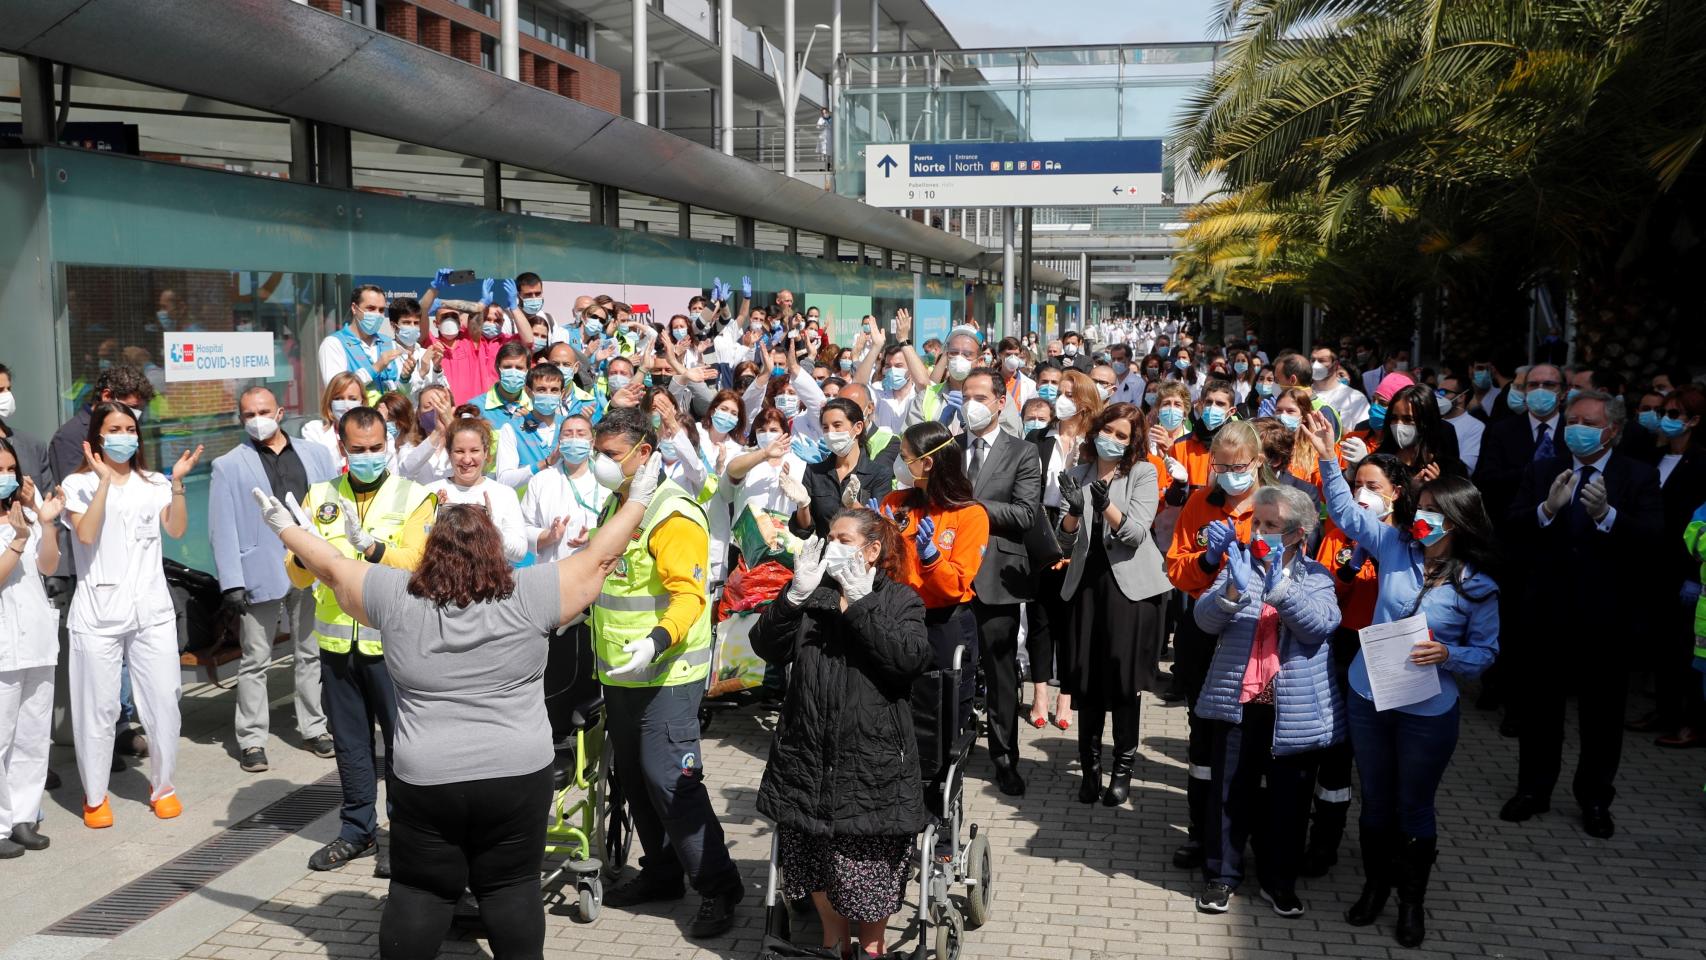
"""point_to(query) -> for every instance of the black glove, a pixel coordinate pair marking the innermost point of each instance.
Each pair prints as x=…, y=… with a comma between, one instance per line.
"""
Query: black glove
x=236, y=600
x=1071, y=495
x=1099, y=495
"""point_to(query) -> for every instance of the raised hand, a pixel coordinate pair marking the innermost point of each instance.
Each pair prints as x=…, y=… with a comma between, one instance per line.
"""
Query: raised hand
x=1221, y=536
x=486, y=290
x=1099, y=495
x=903, y=324
x=552, y=535
x=97, y=464
x=441, y=280
x=1428, y=474
x=1558, y=497
x=924, y=540
x=808, y=570
x=358, y=538
x=20, y=523
x=646, y=479
x=856, y=578
x=512, y=299
x=1072, y=495
x=186, y=462
x=746, y=287
x=1237, y=570
x=850, y=493
x=27, y=493
x=1319, y=430
x=1595, y=499
x=794, y=490
x=49, y=508
x=1355, y=449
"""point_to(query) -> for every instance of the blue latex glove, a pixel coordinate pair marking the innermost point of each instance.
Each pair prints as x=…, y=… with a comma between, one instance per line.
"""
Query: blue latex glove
x=486, y=286
x=925, y=540
x=1238, y=566
x=1271, y=577
x=719, y=290
x=875, y=505
x=952, y=401
x=1221, y=534
x=746, y=287
x=511, y=298
x=811, y=451
x=441, y=280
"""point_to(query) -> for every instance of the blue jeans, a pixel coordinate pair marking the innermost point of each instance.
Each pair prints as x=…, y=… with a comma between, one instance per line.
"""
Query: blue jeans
x=1400, y=760
x=356, y=692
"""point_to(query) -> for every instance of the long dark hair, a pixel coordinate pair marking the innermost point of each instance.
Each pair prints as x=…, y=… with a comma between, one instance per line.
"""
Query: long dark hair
x=890, y=558
x=463, y=562
x=98, y=419
x=1425, y=411
x=948, y=487
x=18, y=468
x=1471, y=530
x=1398, y=475
x=1110, y=413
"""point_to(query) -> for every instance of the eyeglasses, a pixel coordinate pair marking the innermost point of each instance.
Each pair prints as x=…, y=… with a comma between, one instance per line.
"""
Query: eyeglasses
x=1230, y=467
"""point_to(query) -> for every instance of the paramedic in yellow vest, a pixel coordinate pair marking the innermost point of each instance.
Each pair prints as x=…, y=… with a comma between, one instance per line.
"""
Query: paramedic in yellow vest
x=651, y=638
x=381, y=518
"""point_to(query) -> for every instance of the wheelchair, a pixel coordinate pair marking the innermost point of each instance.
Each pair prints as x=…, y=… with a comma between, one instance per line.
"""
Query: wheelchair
x=943, y=863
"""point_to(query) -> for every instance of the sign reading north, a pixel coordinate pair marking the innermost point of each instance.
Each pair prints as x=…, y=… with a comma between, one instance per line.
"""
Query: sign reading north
x=1066, y=173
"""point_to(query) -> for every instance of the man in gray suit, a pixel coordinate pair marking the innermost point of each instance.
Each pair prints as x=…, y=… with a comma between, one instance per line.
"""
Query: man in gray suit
x=250, y=561
x=1007, y=478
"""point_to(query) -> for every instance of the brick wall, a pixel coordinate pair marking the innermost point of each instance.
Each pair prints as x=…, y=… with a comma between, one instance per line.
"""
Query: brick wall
x=333, y=7
x=402, y=19
x=434, y=33
x=464, y=43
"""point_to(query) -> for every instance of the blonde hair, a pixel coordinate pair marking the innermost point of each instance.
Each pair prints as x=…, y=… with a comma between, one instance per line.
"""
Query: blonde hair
x=1086, y=397
x=1302, y=451
x=1241, y=436
x=335, y=387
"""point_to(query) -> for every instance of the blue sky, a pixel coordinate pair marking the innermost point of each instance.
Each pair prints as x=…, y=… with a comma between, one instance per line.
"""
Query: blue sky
x=996, y=23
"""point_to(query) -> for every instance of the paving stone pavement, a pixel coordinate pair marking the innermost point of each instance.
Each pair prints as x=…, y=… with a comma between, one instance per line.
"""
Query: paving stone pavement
x=1088, y=883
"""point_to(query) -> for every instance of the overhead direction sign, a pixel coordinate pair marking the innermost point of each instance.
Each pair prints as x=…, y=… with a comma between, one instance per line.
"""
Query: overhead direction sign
x=1064, y=173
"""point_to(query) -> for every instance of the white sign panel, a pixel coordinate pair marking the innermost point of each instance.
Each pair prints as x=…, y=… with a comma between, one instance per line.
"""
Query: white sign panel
x=1065, y=173
x=218, y=356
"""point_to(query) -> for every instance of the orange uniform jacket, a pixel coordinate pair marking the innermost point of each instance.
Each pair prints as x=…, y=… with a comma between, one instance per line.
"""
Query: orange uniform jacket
x=961, y=536
x=1186, y=553
x=1356, y=596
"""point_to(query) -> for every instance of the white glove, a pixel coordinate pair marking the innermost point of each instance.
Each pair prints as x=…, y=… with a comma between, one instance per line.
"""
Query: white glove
x=1558, y=498
x=850, y=494
x=1353, y=449
x=640, y=653
x=808, y=570
x=1177, y=471
x=794, y=490
x=855, y=577
x=646, y=479
x=1595, y=500
x=358, y=538
x=280, y=514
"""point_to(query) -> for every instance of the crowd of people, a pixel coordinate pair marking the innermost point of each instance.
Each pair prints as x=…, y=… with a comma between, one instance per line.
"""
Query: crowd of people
x=486, y=490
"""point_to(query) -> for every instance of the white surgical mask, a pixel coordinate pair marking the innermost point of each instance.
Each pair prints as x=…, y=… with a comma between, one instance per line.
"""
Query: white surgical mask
x=341, y=407
x=839, y=443
x=978, y=416
x=449, y=328
x=1064, y=408
x=1369, y=500
x=607, y=472
x=836, y=553
x=1320, y=371
x=8, y=404
x=958, y=367
x=1405, y=434
x=261, y=428
x=765, y=439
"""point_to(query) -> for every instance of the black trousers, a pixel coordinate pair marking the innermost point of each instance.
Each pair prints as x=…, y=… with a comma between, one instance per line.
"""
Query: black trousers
x=1047, y=619
x=1237, y=809
x=1602, y=695
x=356, y=692
x=998, y=639
x=487, y=836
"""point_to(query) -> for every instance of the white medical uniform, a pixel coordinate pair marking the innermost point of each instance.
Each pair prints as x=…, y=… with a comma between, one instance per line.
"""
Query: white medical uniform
x=29, y=648
x=552, y=494
x=505, y=510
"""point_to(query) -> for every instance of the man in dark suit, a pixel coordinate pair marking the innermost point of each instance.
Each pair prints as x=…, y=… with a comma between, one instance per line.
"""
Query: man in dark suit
x=1508, y=446
x=1007, y=478
x=1580, y=524
x=1074, y=356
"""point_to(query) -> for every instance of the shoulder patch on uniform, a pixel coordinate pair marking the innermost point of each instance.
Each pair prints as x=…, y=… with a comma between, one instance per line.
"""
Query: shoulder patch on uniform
x=328, y=512
x=947, y=538
x=1202, y=536
x=1343, y=556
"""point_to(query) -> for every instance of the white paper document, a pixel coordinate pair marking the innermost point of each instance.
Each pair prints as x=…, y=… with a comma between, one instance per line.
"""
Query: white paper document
x=1394, y=680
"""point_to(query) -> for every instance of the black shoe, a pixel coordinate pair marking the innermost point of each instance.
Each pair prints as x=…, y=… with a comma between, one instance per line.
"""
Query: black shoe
x=1189, y=856
x=118, y=760
x=1215, y=898
x=339, y=852
x=1316, y=863
x=1377, y=871
x=716, y=915
x=382, y=860
x=8, y=849
x=27, y=836
x=1119, y=778
x=1326, y=829
x=1008, y=781
x=1508, y=729
x=1596, y=821
x=132, y=742
x=253, y=760
x=53, y=781
x=1090, y=787
x=322, y=746
x=1284, y=904
x=1170, y=694
x=1523, y=806
x=1415, y=861
x=643, y=889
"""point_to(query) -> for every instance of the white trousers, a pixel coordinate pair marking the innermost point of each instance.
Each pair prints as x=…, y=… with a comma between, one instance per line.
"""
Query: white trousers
x=96, y=660
x=26, y=727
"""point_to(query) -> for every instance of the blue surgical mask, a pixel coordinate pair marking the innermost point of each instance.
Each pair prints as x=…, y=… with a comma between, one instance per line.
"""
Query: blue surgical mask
x=1264, y=389
x=698, y=316
x=1672, y=426
x=370, y=322
x=1483, y=379
x=532, y=305
x=8, y=484
x=1649, y=420
x=1517, y=401
x=390, y=430
x=489, y=330
x=1542, y=401
x=1183, y=363
x=1436, y=526
x=1108, y=448
x=724, y=421
x=1571, y=396
x=367, y=467
x=1275, y=542
x=568, y=373
x=1290, y=421
x=408, y=336
x=1120, y=368
x=778, y=371
x=845, y=364
x=616, y=382
x=120, y=447
x=1035, y=425
x=1171, y=417
x=341, y=407
x=1049, y=391
x=667, y=448
x=546, y=404
x=895, y=377
x=1236, y=483
x=788, y=403
x=1149, y=398
x=1240, y=368
x=1376, y=415
x=1162, y=350
x=1583, y=440
x=576, y=449
x=511, y=379
x=1213, y=417
x=594, y=327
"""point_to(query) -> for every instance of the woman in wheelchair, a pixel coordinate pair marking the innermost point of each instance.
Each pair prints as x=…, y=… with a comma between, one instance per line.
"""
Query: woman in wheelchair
x=843, y=784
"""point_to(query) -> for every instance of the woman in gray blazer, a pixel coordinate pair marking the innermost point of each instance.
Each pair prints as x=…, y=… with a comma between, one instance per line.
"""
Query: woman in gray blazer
x=1117, y=591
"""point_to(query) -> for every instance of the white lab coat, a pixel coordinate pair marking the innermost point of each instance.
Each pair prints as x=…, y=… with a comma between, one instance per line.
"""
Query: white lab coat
x=505, y=510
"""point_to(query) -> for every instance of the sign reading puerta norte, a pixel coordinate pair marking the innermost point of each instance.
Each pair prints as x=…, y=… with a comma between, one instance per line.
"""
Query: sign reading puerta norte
x=1067, y=173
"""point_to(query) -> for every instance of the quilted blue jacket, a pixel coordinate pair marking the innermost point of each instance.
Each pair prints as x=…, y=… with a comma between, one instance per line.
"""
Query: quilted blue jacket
x=1309, y=708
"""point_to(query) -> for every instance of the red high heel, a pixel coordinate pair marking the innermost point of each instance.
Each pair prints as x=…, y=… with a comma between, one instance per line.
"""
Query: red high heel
x=1064, y=724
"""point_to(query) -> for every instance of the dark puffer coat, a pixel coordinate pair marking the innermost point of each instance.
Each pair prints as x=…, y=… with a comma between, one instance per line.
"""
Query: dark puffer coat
x=844, y=761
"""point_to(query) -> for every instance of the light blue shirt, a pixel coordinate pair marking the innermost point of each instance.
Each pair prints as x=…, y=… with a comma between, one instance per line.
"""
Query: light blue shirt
x=1469, y=627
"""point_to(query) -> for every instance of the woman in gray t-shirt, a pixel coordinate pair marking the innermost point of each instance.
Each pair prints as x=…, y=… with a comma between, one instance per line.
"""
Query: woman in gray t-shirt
x=465, y=645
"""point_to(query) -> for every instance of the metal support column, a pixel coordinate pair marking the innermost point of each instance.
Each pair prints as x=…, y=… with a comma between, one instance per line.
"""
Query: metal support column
x=332, y=156
x=370, y=13
x=509, y=39
x=1083, y=290
x=660, y=84
x=638, y=70
x=1025, y=293
x=831, y=248
x=492, y=175
x=746, y=232
x=835, y=61
x=790, y=74
x=1007, y=304
x=35, y=96
x=684, y=221
x=876, y=29
x=301, y=150
x=726, y=96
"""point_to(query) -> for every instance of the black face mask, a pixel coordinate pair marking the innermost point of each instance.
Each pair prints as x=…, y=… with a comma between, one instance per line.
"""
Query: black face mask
x=741, y=383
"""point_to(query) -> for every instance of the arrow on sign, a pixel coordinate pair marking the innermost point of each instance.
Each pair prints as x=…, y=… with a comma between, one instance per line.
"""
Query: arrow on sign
x=1118, y=191
x=887, y=165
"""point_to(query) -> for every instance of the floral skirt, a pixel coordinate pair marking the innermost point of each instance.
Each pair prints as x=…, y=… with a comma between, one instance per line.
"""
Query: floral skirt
x=864, y=877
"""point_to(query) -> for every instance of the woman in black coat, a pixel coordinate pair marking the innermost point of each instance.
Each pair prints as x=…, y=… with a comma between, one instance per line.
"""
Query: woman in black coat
x=843, y=784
